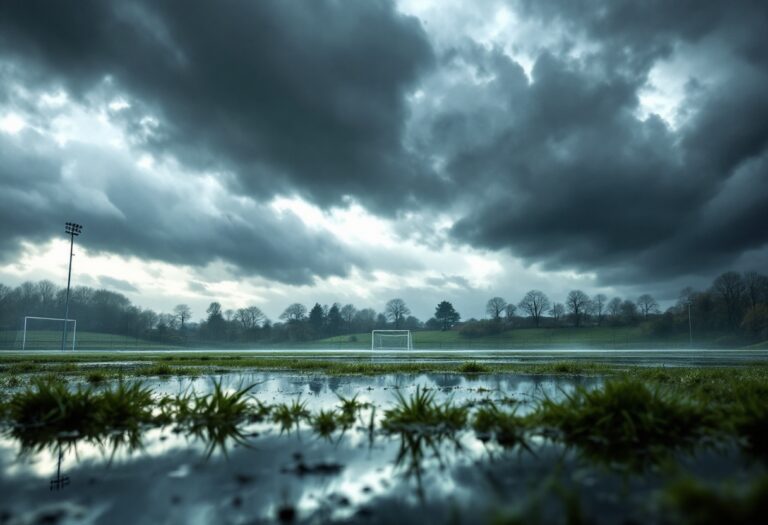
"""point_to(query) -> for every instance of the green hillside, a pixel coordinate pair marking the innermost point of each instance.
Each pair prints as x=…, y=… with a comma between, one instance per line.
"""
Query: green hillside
x=593, y=337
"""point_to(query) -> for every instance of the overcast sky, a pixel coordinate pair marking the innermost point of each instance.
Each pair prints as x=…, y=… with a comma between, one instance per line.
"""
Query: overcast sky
x=266, y=152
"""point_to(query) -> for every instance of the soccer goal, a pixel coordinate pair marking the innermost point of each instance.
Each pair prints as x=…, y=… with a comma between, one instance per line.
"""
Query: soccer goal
x=45, y=332
x=391, y=340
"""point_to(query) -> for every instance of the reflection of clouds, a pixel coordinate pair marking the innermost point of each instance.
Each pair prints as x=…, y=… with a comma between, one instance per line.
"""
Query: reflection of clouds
x=260, y=475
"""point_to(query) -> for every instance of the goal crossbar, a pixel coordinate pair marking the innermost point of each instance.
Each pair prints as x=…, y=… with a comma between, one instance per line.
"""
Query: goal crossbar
x=74, y=328
x=402, y=334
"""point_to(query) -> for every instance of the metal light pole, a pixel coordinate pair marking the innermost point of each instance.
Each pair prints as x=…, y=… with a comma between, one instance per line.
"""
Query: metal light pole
x=73, y=230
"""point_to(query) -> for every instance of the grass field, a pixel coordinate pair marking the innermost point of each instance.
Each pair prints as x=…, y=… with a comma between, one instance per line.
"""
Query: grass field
x=592, y=337
x=51, y=340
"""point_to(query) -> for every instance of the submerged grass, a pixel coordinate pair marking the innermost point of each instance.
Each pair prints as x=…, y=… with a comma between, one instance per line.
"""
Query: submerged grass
x=290, y=415
x=159, y=365
x=504, y=426
x=421, y=413
x=690, y=502
x=627, y=422
x=637, y=418
x=49, y=411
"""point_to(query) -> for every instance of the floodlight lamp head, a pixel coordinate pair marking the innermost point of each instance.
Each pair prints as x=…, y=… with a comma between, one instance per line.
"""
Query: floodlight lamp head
x=73, y=228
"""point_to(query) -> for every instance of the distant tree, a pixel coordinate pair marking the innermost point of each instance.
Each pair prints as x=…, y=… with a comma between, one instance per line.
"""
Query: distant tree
x=557, y=311
x=183, y=313
x=381, y=321
x=534, y=303
x=396, y=310
x=598, y=306
x=433, y=324
x=317, y=318
x=213, y=310
x=215, y=324
x=729, y=287
x=495, y=307
x=614, y=308
x=447, y=315
x=46, y=291
x=249, y=318
x=755, y=288
x=412, y=323
x=509, y=312
x=647, y=305
x=295, y=312
x=365, y=320
x=755, y=322
x=148, y=319
x=628, y=311
x=577, y=304
x=334, y=320
x=348, y=312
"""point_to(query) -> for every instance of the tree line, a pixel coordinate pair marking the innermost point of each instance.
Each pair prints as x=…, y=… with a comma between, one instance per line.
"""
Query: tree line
x=735, y=303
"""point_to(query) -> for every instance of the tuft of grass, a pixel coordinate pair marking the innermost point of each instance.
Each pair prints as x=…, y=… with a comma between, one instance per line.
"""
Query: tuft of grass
x=96, y=377
x=48, y=411
x=507, y=428
x=627, y=422
x=421, y=413
x=350, y=408
x=214, y=418
x=324, y=423
x=473, y=367
x=290, y=415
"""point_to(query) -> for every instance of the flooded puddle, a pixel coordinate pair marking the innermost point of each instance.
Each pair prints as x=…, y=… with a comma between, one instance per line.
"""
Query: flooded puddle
x=362, y=473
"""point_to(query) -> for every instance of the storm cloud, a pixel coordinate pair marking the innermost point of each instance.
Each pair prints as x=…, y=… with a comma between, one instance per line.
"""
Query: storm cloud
x=573, y=177
x=543, y=144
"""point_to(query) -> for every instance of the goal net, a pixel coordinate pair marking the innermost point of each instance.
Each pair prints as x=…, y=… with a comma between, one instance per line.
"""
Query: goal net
x=45, y=333
x=391, y=340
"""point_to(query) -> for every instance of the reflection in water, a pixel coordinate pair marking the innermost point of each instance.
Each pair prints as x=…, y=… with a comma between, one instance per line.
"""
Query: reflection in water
x=60, y=481
x=338, y=467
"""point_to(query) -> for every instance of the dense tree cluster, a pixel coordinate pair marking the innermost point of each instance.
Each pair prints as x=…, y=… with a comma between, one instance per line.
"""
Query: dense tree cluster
x=735, y=304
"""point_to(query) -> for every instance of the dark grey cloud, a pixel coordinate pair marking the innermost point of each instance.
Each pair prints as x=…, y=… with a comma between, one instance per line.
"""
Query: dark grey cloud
x=131, y=213
x=303, y=97
x=291, y=98
x=576, y=180
x=310, y=98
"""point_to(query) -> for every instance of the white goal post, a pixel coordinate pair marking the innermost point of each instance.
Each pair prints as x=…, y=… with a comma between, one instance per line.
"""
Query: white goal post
x=391, y=340
x=74, y=328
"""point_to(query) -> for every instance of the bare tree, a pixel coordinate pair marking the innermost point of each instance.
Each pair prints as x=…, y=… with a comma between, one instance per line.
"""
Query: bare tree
x=755, y=288
x=495, y=307
x=614, y=308
x=534, y=303
x=295, y=312
x=557, y=312
x=183, y=313
x=396, y=310
x=365, y=319
x=577, y=304
x=348, y=312
x=250, y=317
x=509, y=312
x=647, y=305
x=47, y=292
x=730, y=288
x=599, y=304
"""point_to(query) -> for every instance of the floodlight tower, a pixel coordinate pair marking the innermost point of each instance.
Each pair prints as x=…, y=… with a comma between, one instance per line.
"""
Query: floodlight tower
x=73, y=230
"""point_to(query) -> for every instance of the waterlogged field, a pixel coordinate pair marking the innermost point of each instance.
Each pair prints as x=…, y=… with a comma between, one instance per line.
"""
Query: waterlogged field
x=561, y=444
